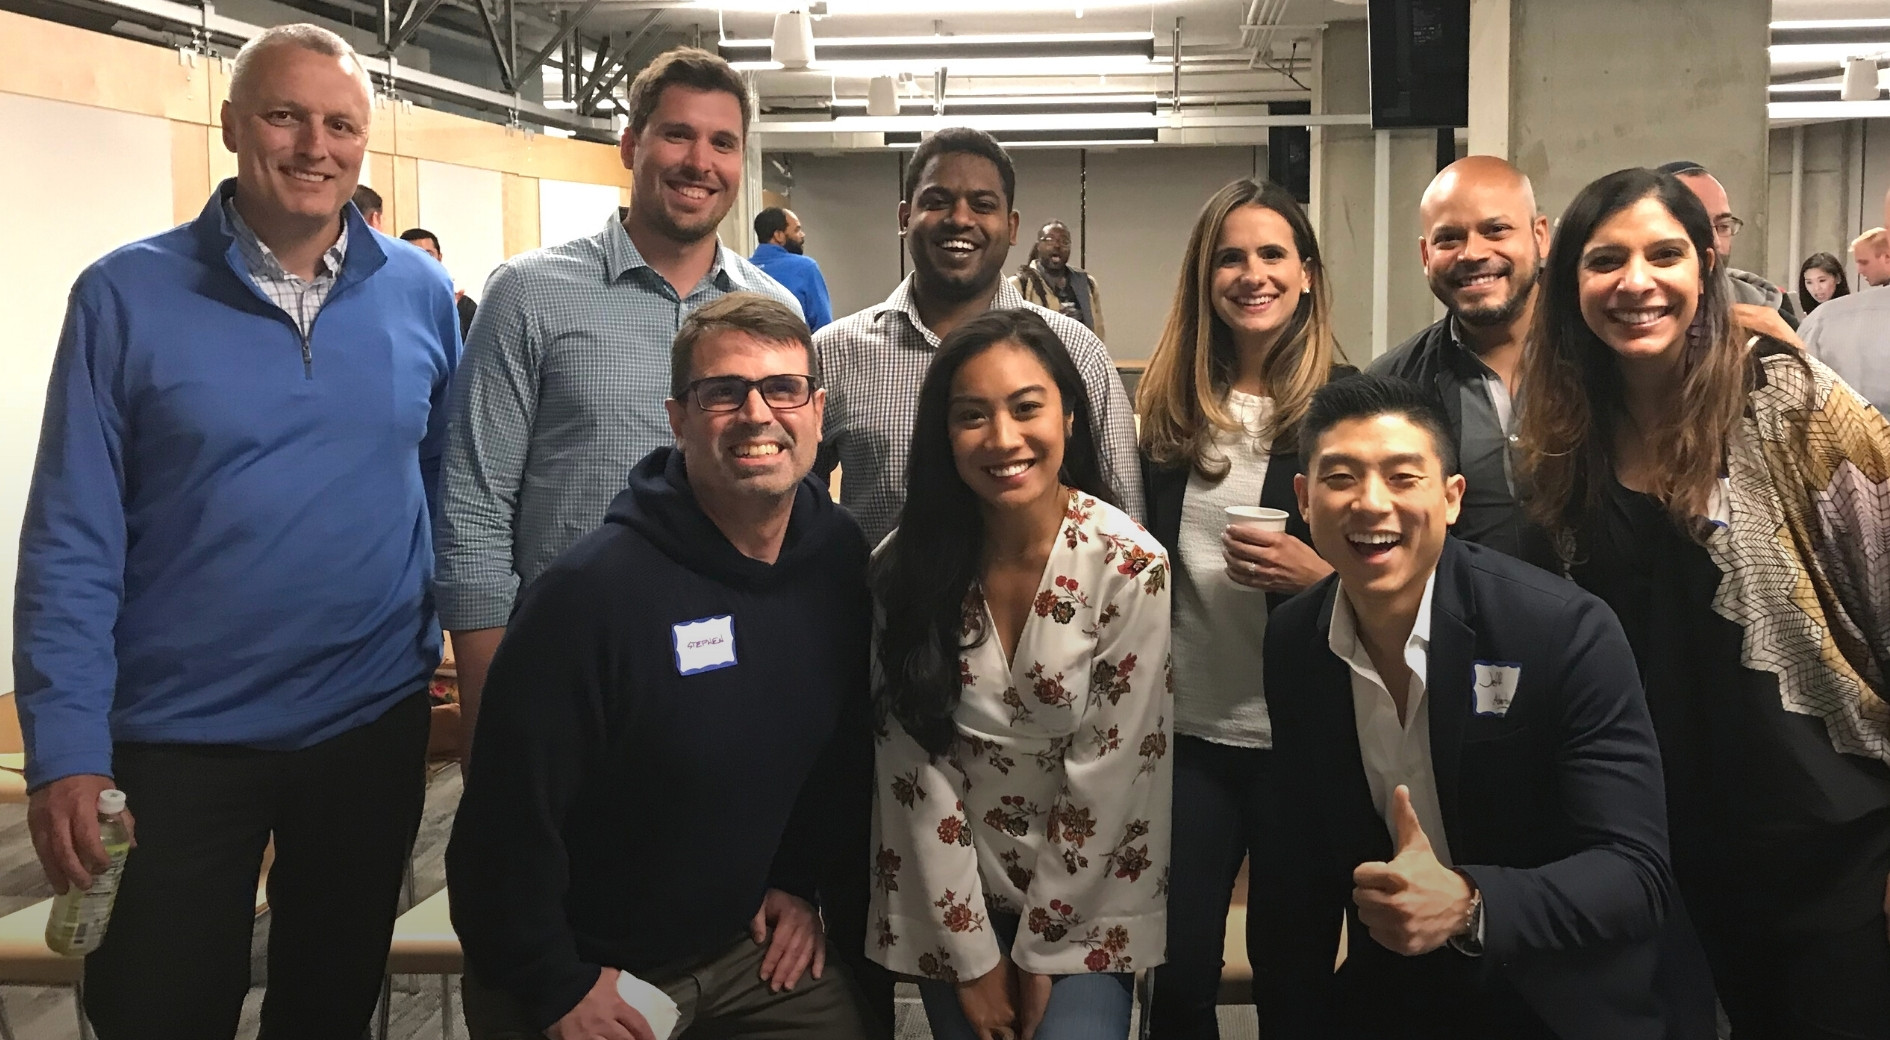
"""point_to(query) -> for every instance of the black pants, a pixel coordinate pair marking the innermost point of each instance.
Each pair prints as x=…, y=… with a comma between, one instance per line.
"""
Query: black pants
x=1778, y=985
x=175, y=962
x=1224, y=811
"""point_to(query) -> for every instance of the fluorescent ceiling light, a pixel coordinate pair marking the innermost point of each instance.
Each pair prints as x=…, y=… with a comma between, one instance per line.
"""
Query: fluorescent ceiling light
x=1046, y=138
x=986, y=105
x=1825, y=53
x=1041, y=53
x=1832, y=23
x=904, y=7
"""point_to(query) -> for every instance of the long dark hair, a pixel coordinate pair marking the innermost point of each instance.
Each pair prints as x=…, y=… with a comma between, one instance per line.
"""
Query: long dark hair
x=1827, y=263
x=1576, y=397
x=922, y=575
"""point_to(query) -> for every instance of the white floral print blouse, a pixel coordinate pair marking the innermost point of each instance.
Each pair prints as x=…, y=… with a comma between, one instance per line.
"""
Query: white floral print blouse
x=1054, y=801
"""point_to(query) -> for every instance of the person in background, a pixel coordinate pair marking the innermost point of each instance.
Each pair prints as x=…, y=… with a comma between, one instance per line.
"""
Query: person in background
x=1482, y=245
x=1750, y=291
x=368, y=201
x=1467, y=769
x=1247, y=342
x=653, y=786
x=429, y=243
x=1023, y=796
x=1048, y=280
x=1871, y=252
x=1821, y=280
x=1728, y=500
x=1848, y=335
x=224, y=603
x=959, y=221
x=564, y=389
x=782, y=254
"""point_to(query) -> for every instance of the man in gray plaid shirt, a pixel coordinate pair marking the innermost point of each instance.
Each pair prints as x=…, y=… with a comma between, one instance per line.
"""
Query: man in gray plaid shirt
x=567, y=366
x=959, y=220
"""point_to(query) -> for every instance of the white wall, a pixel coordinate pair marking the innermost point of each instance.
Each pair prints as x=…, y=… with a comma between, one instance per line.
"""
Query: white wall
x=466, y=208
x=88, y=207
x=568, y=210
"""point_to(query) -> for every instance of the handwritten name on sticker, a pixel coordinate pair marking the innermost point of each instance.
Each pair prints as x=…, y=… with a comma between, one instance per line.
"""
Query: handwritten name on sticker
x=1495, y=683
x=705, y=645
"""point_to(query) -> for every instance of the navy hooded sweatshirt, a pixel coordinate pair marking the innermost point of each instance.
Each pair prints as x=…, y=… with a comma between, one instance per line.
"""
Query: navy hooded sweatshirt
x=620, y=813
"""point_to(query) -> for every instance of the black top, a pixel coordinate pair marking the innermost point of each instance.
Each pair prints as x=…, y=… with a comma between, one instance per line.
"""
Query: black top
x=1768, y=819
x=1492, y=512
x=621, y=813
x=1551, y=804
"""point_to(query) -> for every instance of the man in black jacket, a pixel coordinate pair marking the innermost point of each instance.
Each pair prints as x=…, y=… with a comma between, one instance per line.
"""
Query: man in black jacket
x=649, y=796
x=1482, y=247
x=1468, y=773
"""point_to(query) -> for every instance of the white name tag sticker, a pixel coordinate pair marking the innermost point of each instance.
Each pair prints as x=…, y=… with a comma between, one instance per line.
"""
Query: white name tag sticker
x=1495, y=683
x=705, y=645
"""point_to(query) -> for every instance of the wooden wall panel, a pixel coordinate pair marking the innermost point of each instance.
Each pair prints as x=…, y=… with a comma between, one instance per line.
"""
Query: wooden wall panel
x=190, y=169
x=403, y=202
x=521, y=214
x=443, y=137
x=60, y=63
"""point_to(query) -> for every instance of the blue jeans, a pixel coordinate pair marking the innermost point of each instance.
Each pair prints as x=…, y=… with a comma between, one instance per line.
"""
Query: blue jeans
x=1082, y=1007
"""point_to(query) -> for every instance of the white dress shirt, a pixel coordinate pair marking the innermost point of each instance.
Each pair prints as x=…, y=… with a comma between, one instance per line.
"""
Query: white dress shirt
x=1394, y=752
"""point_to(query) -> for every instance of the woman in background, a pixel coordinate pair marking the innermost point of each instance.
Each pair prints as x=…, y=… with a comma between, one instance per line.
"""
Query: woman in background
x=1729, y=497
x=1023, y=794
x=1248, y=340
x=1821, y=280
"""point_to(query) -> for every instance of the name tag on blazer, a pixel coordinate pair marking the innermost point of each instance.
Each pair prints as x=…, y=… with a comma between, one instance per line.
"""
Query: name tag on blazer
x=705, y=645
x=1495, y=683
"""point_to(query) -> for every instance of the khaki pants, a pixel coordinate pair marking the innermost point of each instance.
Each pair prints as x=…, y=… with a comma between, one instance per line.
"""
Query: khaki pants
x=721, y=996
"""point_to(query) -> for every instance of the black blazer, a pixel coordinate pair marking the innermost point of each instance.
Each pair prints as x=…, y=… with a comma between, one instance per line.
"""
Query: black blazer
x=1556, y=809
x=1164, y=487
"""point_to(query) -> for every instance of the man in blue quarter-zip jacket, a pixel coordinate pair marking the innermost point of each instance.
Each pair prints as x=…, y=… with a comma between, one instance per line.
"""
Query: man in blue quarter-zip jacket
x=224, y=604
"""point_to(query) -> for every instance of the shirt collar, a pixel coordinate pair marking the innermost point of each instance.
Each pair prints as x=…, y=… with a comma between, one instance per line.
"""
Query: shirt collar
x=621, y=255
x=901, y=301
x=1343, y=638
x=258, y=254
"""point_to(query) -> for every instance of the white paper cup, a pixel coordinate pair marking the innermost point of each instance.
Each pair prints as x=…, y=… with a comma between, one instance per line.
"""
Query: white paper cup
x=1257, y=516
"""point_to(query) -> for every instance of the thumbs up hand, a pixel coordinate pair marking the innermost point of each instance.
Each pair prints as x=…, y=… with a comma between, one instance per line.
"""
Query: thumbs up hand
x=1413, y=904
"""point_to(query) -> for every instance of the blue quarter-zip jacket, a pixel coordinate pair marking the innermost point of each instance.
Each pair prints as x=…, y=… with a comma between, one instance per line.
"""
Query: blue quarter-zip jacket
x=223, y=545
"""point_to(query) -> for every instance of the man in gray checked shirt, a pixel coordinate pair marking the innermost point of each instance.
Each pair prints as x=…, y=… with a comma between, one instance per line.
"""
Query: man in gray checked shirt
x=566, y=369
x=959, y=220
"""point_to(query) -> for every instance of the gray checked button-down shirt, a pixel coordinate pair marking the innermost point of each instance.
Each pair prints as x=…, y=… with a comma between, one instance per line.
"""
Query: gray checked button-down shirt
x=298, y=297
x=560, y=393
x=872, y=364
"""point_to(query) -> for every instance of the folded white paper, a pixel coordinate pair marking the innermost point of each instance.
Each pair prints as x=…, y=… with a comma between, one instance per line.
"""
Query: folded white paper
x=652, y=1003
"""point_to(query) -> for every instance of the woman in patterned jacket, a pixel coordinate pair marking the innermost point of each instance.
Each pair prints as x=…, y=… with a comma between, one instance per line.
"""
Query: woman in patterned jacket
x=1730, y=499
x=1022, y=802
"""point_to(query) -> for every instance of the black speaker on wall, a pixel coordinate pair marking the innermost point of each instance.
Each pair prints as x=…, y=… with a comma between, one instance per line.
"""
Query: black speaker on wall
x=1420, y=63
x=1289, y=151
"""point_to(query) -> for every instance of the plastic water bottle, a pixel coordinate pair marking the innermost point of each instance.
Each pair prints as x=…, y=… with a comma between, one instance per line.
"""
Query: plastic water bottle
x=77, y=923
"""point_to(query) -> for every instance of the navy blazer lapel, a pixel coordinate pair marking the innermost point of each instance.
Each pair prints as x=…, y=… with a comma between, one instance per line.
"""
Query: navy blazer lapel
x=1448, y=675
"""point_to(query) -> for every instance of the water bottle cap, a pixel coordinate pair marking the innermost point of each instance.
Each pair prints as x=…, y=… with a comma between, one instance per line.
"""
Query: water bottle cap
x=111, y=801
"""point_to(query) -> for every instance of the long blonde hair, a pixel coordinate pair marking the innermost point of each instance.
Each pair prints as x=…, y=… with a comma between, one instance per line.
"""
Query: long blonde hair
x=1180, y=398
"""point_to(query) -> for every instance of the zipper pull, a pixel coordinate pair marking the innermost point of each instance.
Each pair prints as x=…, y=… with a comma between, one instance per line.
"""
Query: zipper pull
x=308, y=359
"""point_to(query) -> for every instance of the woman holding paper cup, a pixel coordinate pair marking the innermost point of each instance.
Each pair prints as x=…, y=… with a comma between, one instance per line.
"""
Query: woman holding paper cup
x=1248, y=341
x=1022, y=805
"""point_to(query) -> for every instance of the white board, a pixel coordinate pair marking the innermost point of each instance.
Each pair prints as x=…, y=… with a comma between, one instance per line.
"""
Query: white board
x=91, y=181
x=568, y=210
x=466, y=209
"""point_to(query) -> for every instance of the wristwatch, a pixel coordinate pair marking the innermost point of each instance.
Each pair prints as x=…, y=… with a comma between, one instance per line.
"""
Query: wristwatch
x=1469, y=941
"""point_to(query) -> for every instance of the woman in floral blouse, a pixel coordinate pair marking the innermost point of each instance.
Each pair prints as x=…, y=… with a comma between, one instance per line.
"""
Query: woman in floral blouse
x=1022, y=803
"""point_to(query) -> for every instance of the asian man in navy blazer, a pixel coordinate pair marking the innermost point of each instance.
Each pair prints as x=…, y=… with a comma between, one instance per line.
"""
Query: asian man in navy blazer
x=1495, y=831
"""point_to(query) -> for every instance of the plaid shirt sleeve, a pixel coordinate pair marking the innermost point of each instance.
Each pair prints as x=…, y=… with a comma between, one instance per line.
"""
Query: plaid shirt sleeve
x=487, y=441
x=1114, y=418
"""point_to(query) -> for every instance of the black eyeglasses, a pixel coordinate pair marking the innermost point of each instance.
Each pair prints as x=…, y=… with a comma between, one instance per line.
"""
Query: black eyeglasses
x=729, y=393
x=1728, y=226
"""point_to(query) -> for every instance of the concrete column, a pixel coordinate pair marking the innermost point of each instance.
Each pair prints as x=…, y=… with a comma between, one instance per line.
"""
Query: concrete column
x=1342, y=183
x=1573, y=91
